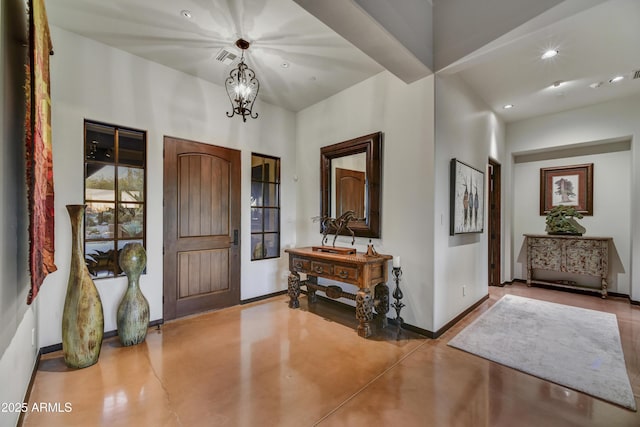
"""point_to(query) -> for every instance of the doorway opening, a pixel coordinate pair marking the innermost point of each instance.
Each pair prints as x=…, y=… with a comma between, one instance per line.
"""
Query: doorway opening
x=494, y=223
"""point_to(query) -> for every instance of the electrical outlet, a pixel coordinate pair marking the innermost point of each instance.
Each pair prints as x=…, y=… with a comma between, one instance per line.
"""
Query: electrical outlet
x=464, y=290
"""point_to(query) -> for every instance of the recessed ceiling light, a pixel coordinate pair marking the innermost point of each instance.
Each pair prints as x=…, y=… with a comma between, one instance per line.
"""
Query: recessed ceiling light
x=285, y=65
x=557, y=84
x=186, y=13
x=507, y=106
x=616, y=79
x=596, y=85
x=549, y=54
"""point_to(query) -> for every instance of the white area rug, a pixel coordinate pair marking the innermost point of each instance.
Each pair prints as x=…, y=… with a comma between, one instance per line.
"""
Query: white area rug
x=570, y=346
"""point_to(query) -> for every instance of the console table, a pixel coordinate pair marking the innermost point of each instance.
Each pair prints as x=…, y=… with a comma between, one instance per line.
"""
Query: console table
x=571, y=254
x=367, y=272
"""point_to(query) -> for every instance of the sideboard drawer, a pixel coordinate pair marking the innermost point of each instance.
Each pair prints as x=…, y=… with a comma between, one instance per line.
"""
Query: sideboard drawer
x=586, y=244
x=318, y=267
x=547, y=244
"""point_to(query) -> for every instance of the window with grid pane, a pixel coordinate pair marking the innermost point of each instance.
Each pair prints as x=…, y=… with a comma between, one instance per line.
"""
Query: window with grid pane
x=114, y=193
x=265, y=207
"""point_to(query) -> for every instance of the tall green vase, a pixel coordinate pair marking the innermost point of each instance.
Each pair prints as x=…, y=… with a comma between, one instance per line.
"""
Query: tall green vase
x=133, y=311
x=82, y=317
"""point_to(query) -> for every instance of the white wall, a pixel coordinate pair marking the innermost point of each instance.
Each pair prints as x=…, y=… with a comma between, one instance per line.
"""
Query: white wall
x=94, y=81
x=16, y=366
x=404, y=113
x=468, y=130
x=616, y=120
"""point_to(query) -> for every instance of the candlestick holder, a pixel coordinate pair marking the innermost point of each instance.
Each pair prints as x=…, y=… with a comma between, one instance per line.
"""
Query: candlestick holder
x=396, y=272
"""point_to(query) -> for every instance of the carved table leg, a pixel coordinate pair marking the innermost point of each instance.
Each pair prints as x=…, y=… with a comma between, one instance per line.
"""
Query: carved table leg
x=604, y=287
x=294, y=289
x=381, y=303
x=311, y=290
x=364, y=312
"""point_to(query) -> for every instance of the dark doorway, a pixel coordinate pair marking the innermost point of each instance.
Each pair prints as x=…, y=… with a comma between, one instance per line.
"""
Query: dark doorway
x=494, y=223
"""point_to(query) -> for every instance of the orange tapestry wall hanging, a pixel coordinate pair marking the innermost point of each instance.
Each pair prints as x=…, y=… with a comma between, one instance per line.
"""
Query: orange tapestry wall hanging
x=39, y=149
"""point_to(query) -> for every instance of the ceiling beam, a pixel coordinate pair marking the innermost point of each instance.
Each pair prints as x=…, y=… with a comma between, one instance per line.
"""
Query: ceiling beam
x=352, y=22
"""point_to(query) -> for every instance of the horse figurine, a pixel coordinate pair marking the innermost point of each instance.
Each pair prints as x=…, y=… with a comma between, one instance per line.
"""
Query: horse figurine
x=338, y=224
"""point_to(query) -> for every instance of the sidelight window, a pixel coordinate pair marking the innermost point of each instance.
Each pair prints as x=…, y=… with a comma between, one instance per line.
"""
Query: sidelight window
x=265, y=207
x=114, y=193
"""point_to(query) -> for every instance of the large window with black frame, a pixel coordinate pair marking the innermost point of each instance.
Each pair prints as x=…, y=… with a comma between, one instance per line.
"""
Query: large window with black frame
x=114, y=194
x=265, y=207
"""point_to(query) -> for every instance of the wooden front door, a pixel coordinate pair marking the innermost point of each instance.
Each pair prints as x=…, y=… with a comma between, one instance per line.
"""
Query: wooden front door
x=494, y=220
x=350, y=192
x=201, y=227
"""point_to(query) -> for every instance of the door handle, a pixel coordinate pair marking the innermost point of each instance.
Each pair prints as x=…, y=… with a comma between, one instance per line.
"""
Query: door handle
x=235, y=237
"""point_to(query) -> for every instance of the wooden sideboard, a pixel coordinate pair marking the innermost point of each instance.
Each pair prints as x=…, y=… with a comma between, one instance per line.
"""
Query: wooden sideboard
x=569, y=254
x=368, y=272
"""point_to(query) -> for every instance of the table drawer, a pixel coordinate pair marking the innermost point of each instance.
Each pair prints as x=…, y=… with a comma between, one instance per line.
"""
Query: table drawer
x=342, y=272
x=300, y=264
x=318, y=267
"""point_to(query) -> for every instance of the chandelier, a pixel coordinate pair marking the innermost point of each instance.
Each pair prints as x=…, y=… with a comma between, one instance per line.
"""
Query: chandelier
x=242, y=87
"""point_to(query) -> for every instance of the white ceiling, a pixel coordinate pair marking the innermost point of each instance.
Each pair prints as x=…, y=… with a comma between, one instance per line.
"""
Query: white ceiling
x=595, y=44
x=321, y=63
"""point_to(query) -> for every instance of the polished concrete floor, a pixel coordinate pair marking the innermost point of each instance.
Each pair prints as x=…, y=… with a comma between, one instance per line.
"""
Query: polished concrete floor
x=263, y=364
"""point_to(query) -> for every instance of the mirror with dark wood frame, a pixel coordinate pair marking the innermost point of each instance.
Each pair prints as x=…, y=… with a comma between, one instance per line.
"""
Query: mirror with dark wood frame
x=350, y=174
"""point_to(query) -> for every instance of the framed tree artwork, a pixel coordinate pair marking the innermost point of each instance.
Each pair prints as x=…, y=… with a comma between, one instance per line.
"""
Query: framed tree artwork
x=467, y=199
x=568, y=186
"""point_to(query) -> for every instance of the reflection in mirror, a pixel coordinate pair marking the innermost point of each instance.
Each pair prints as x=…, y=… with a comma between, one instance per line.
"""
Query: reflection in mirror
x=348, y=185
x=350, y=173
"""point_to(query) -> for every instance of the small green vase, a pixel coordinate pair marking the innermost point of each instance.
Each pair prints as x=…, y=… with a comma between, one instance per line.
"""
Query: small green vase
x=82, y=317
x=133, y=311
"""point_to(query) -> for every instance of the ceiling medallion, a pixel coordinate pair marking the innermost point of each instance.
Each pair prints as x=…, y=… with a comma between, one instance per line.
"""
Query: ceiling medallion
x=242, y=87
